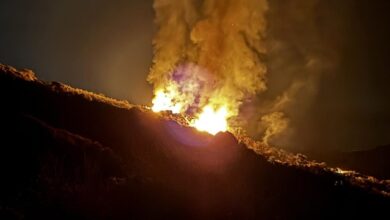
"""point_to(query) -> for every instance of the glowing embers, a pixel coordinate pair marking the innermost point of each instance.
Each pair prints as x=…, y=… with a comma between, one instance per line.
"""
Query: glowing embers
x=211, y=120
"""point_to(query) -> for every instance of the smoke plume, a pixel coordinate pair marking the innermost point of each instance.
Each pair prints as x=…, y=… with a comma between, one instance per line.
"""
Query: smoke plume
x=303, y=46
x=262, y=60
x=209, y=52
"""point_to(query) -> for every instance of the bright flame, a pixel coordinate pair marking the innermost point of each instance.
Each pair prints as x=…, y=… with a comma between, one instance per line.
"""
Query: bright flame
x=209, y=115
x=212, y=121
x=163, y=102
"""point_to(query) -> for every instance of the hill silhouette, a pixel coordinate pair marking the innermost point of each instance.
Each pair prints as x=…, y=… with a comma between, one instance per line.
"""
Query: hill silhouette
x=71, y=154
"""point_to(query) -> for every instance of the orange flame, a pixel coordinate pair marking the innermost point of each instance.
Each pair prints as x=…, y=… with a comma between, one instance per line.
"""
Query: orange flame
x=163, y=102
x=210, y=119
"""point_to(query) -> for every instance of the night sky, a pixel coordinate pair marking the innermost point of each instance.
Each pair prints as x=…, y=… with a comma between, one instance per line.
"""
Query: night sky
x=106, y=47
x=102, y=46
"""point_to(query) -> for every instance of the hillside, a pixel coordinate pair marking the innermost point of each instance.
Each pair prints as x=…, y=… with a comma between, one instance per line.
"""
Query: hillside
x=371, y=161
x=70, y=154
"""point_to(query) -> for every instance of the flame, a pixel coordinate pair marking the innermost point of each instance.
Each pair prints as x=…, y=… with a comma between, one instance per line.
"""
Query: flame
x=212, y=121
x=164, y=102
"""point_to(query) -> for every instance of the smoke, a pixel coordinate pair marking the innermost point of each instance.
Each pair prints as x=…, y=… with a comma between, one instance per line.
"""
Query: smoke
x=174, y=19
x=275, y=123
x=303, y=41
x=264, y=60
x=209, y=52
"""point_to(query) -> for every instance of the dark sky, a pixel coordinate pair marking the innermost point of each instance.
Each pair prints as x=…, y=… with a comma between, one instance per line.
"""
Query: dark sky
x=100, y=45
x=105, y=46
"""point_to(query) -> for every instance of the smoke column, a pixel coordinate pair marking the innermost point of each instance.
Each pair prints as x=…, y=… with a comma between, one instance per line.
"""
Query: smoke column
x=209, y=52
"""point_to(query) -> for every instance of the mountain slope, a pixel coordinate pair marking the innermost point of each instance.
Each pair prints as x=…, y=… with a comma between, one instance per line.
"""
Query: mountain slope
x=68, y=153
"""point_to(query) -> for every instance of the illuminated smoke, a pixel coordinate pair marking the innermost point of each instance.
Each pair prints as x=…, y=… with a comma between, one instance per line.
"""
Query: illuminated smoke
x=275, y=123
x=208, y=53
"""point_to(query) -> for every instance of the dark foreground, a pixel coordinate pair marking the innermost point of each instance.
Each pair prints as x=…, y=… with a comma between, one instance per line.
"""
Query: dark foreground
x=70, y=154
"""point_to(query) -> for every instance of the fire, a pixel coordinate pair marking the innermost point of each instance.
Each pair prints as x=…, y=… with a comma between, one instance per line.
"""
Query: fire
x=212, y=121
x=164, y=102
